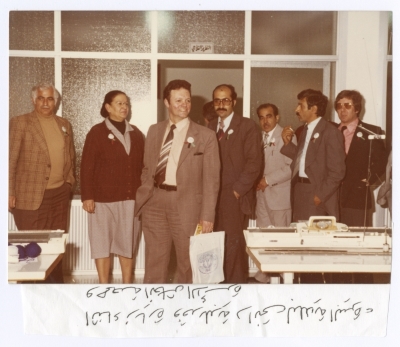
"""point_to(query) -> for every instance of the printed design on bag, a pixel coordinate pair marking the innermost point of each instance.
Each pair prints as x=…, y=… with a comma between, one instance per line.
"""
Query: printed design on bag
x=208, y=261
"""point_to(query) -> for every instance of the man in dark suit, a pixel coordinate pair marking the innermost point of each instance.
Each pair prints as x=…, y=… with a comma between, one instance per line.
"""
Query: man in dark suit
x=355, y=193
x=241, y=159
x=180, y=183
x=318, y=164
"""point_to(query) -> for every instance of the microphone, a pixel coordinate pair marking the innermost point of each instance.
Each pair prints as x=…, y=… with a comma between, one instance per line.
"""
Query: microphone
x=372, y=135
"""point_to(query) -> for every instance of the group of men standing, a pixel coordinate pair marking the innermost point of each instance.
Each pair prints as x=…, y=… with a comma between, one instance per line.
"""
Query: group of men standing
x=209, y=176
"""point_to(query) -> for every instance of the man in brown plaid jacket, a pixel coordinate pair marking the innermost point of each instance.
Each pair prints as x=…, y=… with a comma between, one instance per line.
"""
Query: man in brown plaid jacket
x=41, y=167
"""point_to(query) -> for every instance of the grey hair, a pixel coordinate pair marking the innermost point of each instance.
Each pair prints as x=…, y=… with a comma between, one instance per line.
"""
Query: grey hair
x=44, y=86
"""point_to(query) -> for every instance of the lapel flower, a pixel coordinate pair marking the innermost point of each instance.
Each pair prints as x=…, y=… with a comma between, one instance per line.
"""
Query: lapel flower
x=360, y=135
x=272, y=142
x=230, y=132
x=64, y=130
x=190, y=142
x=111, y=137
x=316, y=135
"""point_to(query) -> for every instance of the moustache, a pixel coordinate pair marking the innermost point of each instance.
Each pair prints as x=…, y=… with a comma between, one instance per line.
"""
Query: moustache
x=297, y=114
x=221, y=109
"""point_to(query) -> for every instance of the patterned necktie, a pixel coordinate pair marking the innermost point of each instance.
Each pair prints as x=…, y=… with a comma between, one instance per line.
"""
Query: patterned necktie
x=300, y=151
x=265, y=139
x=163, y=159
x=220, y=132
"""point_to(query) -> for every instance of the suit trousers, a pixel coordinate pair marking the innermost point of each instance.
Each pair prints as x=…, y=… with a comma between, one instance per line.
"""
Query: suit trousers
x=51, y=215
x=267, y=217
x=354, y=217
x=304, y=207
x=162, y=225
x=231, y=219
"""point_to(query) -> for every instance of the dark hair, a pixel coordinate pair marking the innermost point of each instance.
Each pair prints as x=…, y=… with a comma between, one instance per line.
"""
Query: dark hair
x=108, y=99
x=355, y=97
x=209, y=111
x=230, y=87
x=274, y=108
x=314, y=98
x=175, y=85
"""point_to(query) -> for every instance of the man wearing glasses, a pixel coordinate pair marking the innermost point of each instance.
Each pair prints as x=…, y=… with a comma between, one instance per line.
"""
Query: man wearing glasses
x=241, y=159
x=355, y=196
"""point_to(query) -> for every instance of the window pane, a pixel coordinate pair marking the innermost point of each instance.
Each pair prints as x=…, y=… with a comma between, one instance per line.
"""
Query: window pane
x=390, y=34
x=85, y=83
x=32, y=30
x=225, y=29
x=280, y=86
x=289, y=32
x=105, y=31
x=24, y=74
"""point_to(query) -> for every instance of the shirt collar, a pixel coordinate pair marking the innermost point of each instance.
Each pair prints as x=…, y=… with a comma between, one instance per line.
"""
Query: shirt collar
x=227, y=121
x=181, y=124
x=351, y=127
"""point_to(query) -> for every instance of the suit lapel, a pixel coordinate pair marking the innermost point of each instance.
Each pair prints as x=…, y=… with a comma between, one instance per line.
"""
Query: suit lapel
x=315, y=141
x=192, y=132
x=38, y=133
x=231, y=134
x=66, y=137
x=356, y=145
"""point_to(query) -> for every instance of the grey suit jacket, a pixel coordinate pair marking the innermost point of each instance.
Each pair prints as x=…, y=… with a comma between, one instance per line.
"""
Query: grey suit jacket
x=241, y=158
x=197, y=176
x=277, y=172
x=325, y=159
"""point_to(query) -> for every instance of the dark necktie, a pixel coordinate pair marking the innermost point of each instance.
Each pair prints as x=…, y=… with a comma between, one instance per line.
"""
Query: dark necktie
x=159, y=178
x=344, y=139
x=220, y=133
x=300, y=151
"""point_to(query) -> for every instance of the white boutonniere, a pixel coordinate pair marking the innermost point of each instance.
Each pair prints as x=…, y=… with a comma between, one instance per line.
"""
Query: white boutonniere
x=190, y=142
x=360, y=135
x=230, y=132
x=64, y=130
x=316, y=135
x=111, y=137
x=272, y=142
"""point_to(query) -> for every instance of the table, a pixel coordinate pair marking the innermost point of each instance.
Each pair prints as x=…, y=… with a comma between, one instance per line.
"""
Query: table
x=288, y=263
x=34, y=271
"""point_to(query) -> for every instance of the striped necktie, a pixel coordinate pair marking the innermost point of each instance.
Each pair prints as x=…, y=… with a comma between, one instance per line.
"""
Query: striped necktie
x=159, y=178
x=266, y=135
x=220, y=133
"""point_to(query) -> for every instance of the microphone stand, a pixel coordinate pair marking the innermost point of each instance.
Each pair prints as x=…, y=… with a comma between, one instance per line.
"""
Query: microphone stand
x=371, y=136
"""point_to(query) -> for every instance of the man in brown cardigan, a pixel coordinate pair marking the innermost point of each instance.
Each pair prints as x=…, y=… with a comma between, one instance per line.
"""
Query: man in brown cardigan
x=41, y=167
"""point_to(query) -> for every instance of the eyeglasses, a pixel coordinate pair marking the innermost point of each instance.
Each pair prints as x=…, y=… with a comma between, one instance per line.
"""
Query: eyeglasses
x=346, y=105
x=225, y=102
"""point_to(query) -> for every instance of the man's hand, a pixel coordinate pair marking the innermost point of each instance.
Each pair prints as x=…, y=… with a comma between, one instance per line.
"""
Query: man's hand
x=262, y=184
x=317, y=200
x=237, y=195
x=287, y=134
x=88, y=206
x=207, y=226
x=11, y=202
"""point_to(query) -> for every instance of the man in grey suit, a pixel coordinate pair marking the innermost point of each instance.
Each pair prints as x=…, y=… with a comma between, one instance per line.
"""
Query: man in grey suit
x=273, y=189
x=180, y=183
x=239, y=142
x=318, y=165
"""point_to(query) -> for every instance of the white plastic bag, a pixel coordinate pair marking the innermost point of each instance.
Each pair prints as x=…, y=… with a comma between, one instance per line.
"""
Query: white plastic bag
x=207, y=257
